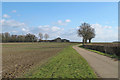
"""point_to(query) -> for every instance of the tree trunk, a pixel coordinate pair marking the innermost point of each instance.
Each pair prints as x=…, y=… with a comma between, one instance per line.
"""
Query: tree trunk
x=89, y=40
x=83, y=41
x=86, y=41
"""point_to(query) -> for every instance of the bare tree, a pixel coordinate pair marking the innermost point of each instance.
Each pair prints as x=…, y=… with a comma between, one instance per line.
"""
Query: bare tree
x=41, y=36
x=46, y=36
x=91, y=34
x=7, y=36
x=86, y=32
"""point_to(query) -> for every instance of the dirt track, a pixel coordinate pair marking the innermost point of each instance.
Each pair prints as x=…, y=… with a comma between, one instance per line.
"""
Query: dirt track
x=104, y=67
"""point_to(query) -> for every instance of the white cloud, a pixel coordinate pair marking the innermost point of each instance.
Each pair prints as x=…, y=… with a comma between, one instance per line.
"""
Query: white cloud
x=6, y=16
x=60, y=22
x=53, y=31
x=25, y=30
x=108, y=27
x=44, y=28
x=14, y=31
x=48, y=28
x=14, y=27
x=54, y=28
x=67, y=20
x=71, y=34
x=63, y=23
x=105, y=33
x=3, y=20
x=12, y=23
x=14, y=11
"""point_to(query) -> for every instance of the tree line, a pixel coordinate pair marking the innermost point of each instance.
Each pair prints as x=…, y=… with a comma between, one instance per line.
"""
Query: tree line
x=7, y=37
x=85, y=31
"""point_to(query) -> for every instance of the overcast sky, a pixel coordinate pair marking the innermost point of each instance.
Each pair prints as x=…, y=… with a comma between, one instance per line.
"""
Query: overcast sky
x=61, y=19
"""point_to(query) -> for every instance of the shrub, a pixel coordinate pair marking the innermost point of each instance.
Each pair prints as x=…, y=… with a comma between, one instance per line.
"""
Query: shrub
x=109, y=49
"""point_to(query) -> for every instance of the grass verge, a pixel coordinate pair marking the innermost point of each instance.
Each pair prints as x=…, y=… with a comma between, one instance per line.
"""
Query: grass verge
x=67, y=64
x=101, y=53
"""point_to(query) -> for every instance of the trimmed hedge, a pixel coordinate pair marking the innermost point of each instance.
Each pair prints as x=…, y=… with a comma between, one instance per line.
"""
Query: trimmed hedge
x=112, y=50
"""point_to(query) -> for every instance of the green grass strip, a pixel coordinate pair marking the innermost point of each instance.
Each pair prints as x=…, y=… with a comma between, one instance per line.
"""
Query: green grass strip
x=67, y=64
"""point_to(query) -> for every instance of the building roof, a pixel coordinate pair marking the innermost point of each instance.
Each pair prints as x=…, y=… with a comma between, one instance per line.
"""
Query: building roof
x=57, y=38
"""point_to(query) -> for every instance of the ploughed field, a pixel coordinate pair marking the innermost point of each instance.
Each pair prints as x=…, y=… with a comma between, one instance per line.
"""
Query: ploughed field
x=19, y=58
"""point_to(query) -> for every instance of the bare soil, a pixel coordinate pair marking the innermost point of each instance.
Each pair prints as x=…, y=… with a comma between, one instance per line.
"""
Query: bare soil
x=18, y=58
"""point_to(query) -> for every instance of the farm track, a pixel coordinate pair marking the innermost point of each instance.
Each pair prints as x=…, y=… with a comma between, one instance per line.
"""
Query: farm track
x=17, y=59
x=105, y=67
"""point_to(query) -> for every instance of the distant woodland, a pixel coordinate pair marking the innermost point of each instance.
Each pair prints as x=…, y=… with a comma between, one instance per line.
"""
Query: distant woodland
x=7, y=37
